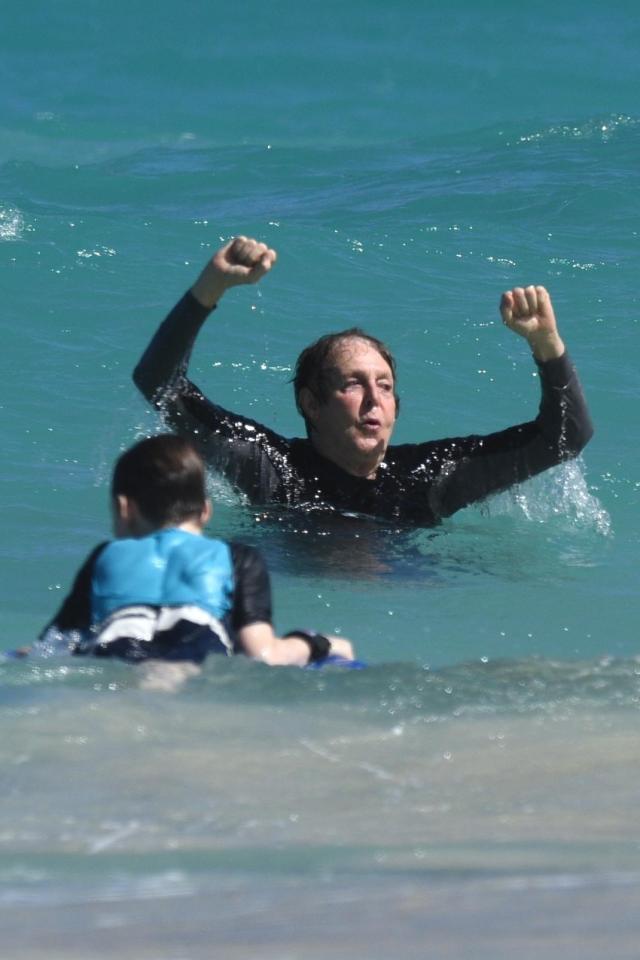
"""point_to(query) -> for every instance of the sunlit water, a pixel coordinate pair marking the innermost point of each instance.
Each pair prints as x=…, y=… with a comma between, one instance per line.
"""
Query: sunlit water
x=475, y=789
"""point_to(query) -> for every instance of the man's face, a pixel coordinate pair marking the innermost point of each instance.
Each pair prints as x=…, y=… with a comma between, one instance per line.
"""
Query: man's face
x=353, y=425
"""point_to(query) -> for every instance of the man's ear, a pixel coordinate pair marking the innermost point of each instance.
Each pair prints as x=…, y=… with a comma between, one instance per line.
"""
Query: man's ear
x=207, y=513
x=309, y=404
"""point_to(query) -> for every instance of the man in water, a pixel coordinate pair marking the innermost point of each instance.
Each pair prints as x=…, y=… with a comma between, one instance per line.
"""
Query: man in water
x=345, y=389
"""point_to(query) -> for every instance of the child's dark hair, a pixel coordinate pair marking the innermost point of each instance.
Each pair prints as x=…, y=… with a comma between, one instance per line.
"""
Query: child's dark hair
x=165, y=476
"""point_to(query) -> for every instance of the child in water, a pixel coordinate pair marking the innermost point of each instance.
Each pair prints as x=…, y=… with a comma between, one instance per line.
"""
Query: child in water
x=161, y=591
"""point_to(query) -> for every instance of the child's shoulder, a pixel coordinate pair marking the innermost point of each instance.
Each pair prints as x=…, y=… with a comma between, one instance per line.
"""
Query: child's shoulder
x=185, y=544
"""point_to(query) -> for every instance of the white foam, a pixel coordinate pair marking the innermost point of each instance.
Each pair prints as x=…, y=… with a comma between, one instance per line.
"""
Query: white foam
x=12, y=224
x=561, y=492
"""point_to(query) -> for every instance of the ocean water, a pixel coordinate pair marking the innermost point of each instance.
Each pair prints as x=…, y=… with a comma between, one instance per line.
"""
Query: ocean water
x=475, y=791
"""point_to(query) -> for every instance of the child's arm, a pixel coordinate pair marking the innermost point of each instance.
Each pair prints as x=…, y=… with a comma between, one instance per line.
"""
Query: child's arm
x=251, y=619
x=73, y=616
x=75, y=610
x=259, y=641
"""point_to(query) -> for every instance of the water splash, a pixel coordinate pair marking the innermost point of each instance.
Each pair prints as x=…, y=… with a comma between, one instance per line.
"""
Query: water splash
x=12, y=224
x=561, y=492
x=600, y=128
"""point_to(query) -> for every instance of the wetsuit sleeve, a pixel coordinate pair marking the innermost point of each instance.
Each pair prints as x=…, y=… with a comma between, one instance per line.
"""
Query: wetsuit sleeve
x=244, y=451
x=164, y=362
x=474, y=467
x=252, y=593
x=75, y=611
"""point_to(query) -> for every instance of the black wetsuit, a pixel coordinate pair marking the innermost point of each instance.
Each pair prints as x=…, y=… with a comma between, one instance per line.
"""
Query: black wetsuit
x=417, y=483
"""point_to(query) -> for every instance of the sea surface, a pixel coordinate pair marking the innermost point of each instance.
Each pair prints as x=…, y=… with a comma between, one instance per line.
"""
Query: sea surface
x=475, y=791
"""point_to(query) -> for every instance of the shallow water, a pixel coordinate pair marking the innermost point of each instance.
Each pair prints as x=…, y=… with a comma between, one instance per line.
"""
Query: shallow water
x=288, y=812
x=476, y=788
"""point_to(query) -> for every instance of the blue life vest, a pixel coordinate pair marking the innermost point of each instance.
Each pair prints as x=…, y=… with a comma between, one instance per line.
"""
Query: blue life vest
x=168, y=568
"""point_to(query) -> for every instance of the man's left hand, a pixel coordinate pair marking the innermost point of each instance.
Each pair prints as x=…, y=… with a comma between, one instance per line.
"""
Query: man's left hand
x=528, y=312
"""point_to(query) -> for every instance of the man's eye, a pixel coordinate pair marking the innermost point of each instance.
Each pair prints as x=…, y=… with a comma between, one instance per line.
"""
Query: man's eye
x=387, y=387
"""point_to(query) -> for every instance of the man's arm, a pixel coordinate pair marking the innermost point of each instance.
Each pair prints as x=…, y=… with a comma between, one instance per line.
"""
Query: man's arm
x=165, y=361
x=563, y=418
x=528, y=311
x=243, y=450
x=242, y=260
x=472, y=468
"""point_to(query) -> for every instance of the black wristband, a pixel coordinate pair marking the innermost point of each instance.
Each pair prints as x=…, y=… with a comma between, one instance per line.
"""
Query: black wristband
x=319, y=645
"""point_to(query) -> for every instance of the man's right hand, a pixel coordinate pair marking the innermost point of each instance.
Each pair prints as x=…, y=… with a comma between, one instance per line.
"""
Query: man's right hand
x=242, y=260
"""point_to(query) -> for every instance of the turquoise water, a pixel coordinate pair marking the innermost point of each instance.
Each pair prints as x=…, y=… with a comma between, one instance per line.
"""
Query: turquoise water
x=477, y=787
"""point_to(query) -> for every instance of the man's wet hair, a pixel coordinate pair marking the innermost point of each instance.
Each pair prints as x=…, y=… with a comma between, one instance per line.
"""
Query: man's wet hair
x=313, y=365
x=166, y=477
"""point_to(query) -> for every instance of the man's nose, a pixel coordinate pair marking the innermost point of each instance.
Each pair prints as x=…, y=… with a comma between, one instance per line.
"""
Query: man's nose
x=371, y=394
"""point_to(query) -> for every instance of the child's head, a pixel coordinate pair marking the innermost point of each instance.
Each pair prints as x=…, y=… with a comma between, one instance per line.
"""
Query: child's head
x=159, y=482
